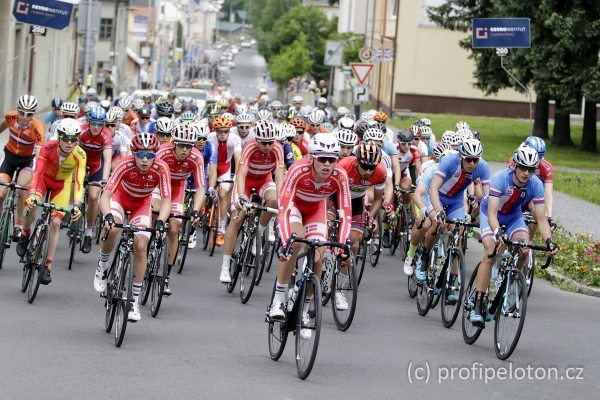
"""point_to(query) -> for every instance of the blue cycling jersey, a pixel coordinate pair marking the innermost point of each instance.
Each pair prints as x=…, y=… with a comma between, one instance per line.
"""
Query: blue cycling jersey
x=511, y=196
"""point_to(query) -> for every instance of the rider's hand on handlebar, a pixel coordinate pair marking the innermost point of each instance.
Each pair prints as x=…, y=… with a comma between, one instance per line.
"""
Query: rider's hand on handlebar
x=440, y=216
x=241, y=201
x=109, y=221
x=76, y=213
x=30, y=201
x=552, y=247
x=388, y=208
x=499, y=235
x=280, y=253
x=212, y=192
x=195, y=217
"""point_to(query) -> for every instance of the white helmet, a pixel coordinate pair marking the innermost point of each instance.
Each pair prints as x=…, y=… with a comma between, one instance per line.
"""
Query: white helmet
x=263, y=115
x=316, y=117
x=164, y=125
x=91, y=92
x=346, y=122
x=324, y=144
x=470, y=148
x=526, y=156
x=451, y=138
x=440, y=149
x=241, y=109
x=202, y=129
x=112, y=117
x=297, y=99
x=461, y=125
x=342, y=111
x=185, y=133
x=425, y=132
x=373, y=134
x=118, y=110
x=69, y=127
x=125, y=103
x=138, y=104
x=244, y=118
x=464, y=133
x=70, y=108
x=229, y=116
x=27, y=103
x=89, y=106
x=265, y=130
x=346, y=136
x=425, y=122
x=286, y=130
x=123, y=94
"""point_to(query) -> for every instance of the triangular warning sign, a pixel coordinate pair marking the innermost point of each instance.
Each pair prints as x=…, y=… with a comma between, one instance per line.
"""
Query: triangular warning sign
x=361, y=71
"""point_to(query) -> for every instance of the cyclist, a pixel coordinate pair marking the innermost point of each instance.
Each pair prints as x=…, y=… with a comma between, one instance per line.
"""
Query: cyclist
x=96, y=141
x=25, y=139
x=53, y=115
x=129, y=189
x=302, y=209
x=227, y=147
x=260, y=158
x=120, y=133
x=447, y=191
x=285, y=131
x=58, y=163
x=300, y=126
x=183, y=160
x=243, y=129
x=163, y=130
x=510, y=188
x=315, y=123
x=68, y=109
x=144, y=122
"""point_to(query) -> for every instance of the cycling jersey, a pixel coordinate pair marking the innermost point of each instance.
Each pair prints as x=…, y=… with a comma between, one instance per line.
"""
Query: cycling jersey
x=224, y=152
x=136, y=185
x=358, y=185
x=304, y=201
x=426, y=166
x=408, y=158
x=130, y=116
x=425, y=179
x=94, y=146
x=288, y=154
x=191, y=166
x=297, y=153
x=22, y=141
x=389, y=148
x=137, y=127
x=243, y=140
x=455, y=179
x=543, y=171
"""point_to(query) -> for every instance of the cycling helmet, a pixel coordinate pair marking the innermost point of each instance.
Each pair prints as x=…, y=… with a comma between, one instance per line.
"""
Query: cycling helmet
x=287, y=130
x=138, y=104
x=380, y=116
x=223, y=103
x=373, y=134
x=177, y=108
x=147, y=97
x=316, y=117
x=425, y=122
x=229, y=116
x=164, y=109
x=112, y=117
x=144, y=113
x=265, y=130
x=164, y=125
x=222, y=122
x=89, y=106
x=470, y=148
x=244, y=118
x=144, y=141
x=538, y=144
x=426, y=132
x=476, y=134
x=263, y=115
x=282, y=114
x=327, y=125
x=202, y=130
x=69, y=109
x=451, y=138
x=291, y=113
x=125, y=103
x=187, y=117
x=241, y=109
x=345, y=122
x=342, y=112
x=91, y=92
x=347, y=137
x=262, y=90
x=440, y=149
x=416, y=130
x=405, y=135
x=324, y=144
x=105, y=104
x=56, y=102
x=368, y=154
x=298, y=123
x=297, y=99
x=185, y=133
x=27, y=103
x=123, y=94
x=117, y=110
x=360, y=128
x=275, y=104
x=526, y=156
x=461, y=125
x=97, y=114
x=322, y=100
x=464, y=133
x=69, y=127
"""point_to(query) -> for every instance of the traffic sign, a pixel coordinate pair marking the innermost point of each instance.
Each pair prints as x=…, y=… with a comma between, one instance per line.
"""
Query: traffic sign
x=334, y=50
x=501, y=32
x=361, y=94
x=383, y=54
x=49, y=13
x=361, y=71
x=365, y=54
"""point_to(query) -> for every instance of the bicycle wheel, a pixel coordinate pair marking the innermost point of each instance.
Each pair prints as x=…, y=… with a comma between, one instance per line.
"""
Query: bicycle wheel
x=4, y=234
x=275, y=250
x=110, y=293
x=214, y=227
x=75, y=231
x=277, y=333
x=327, y=272
x=343, y=316
x=361, y=259
x=529, y=271
x=393, y=237
x=205, y=224
x=149, y=274
x=182, y=246
x=39, y=252
x=265, y=256
x=308, y=326
x=249, y=267
x=375, y=243
x=510, y=314
x=237, y=256
x=124, y=296
x=160, y=274
x=439, y=281
x=452, y=295
x=469, y=331
x=425, y=291
x=98, y=227
x=403, y=233
x=412, y=286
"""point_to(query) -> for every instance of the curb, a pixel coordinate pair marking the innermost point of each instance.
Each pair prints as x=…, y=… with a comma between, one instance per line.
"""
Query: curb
x=555, y=277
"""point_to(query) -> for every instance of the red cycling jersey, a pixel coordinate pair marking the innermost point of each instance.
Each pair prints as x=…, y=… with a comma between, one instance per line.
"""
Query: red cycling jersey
x=94, y=146
x=136, y=185
x=260, y=165
x=301, y=194
x=358, y=185
x=181, y=169
x=543, y=171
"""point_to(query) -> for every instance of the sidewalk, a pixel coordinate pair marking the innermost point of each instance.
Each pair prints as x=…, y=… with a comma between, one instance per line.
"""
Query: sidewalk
x=575, y=215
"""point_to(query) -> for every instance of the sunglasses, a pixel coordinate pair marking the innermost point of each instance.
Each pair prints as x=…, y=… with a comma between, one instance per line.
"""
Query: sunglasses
x=266, y=143
x=162, y=134
x=201, y=140
x=97, y=124
x=367, y=167
x=222, y=131
x=110, y=125
x=186, y=146
x=324, y=159
x=472, y=160
x=531, y=170
x=145, y=154
x=315, y=125
x=26, y=114
x=142, y=118
x=405, y=143
x=299, y=131
x=244, y=127
x=67, y=138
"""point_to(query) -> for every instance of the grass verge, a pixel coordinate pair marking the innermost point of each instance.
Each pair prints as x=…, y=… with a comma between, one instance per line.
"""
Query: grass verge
x=583, y=185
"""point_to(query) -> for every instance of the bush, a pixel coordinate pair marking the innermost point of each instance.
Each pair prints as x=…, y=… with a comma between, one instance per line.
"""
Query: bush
x=578, y=258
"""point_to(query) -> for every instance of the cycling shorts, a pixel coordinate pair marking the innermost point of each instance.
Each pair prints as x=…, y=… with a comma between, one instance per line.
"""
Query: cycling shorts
x=12, y=163
x=261, y=186
x=313, y=216
x=358, y=212
x=177, y=196
x=95, y=170
x=514, y=223
x=225, y=176
x=453, y=206
x=140, y=210
x=60, y=193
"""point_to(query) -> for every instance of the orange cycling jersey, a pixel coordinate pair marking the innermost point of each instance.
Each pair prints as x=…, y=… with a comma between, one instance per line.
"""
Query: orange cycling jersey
x=22, y=141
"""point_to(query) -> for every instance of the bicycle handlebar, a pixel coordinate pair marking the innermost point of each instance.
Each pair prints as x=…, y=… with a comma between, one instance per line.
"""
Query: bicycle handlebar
x=261, y=208
x=520, y=244
x=52, y=206
x=314, y=243
x=13, y=185
x=128, y=227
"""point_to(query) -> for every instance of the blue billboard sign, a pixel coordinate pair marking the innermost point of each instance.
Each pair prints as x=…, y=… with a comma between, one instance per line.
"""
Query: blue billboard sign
x=501, y=32
x=49, y=13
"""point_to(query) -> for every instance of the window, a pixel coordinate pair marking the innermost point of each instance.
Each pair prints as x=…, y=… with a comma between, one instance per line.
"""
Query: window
x=393, y=8
x=106, y=28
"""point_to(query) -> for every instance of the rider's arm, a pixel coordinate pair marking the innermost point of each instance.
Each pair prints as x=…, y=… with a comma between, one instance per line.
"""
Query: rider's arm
x=388, y=191
x=240, y=179
x=198, y=175
x=492, y=214
x=236, y=157
x=396, y=169
x=434, y=195
x=107, y=155
x=376, y=204
x=539, y=210
x=37, y=177
x=286, y=202
x=165, y=191
x=418, y=197
x=344, y=204
x=548, y=198
x=212, y=175
x=80, y=171
x=105, y=201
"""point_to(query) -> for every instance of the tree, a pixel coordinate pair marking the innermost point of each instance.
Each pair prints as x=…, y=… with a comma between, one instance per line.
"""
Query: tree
x=294, y=60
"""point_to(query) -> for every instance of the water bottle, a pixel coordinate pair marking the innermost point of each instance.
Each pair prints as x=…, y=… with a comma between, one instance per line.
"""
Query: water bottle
x=293, y=295
x=492, y=289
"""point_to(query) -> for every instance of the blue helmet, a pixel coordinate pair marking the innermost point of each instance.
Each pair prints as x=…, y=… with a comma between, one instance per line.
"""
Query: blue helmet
x=538, y=144
x=97, y=114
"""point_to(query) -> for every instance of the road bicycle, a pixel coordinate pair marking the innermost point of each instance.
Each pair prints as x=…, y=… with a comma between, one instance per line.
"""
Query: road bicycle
x=7, y=219
x=187, y=230
x=529, y=267
x=76, y=229
x=399, y=225
x=156, y=271
x=374, y=243
x=269, y=249
x=211, y=219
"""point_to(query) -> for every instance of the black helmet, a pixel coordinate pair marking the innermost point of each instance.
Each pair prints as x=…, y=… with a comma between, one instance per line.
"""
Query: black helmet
x=144, y=112
x=56, y=102
x=368, y=154
x=405, y=136
x=360, y=128
x=164, y=109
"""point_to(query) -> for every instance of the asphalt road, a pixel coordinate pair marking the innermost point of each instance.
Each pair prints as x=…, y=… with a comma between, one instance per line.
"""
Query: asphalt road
x=204, y=344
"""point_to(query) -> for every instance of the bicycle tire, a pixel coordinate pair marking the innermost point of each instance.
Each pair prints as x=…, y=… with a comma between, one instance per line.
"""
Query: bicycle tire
x=249, y=268
x=403, y=232
x=110, y=293
x=148, y=275
x=214, y=227
x=265, y=256
x=425, y=291
x=392, y=230
x=412, y=286
x=450, y=308
x=275, y=250
x=277, y=333
x=124, y=297
x=327, y=272
x=343, y=318
x=517, y=281
x=234, y=265
x=436, y=278
x=39, y=252
x=205, y=223
x=160, y=275
x=4, y=234
x=182, y=246
x=98, y=227
x=74, y=233
x=375, y=245
x=470, y=333
x=304, y=368
x=362, y=253
x=529, y=271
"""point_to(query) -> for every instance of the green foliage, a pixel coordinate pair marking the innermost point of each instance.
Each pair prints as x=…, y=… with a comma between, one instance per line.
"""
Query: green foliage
x=294, y=60
x=583, y=185
x=352, y=45
x=578, y=258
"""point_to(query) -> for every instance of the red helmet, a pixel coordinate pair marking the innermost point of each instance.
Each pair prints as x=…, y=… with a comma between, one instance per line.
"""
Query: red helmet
x=144, y=141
